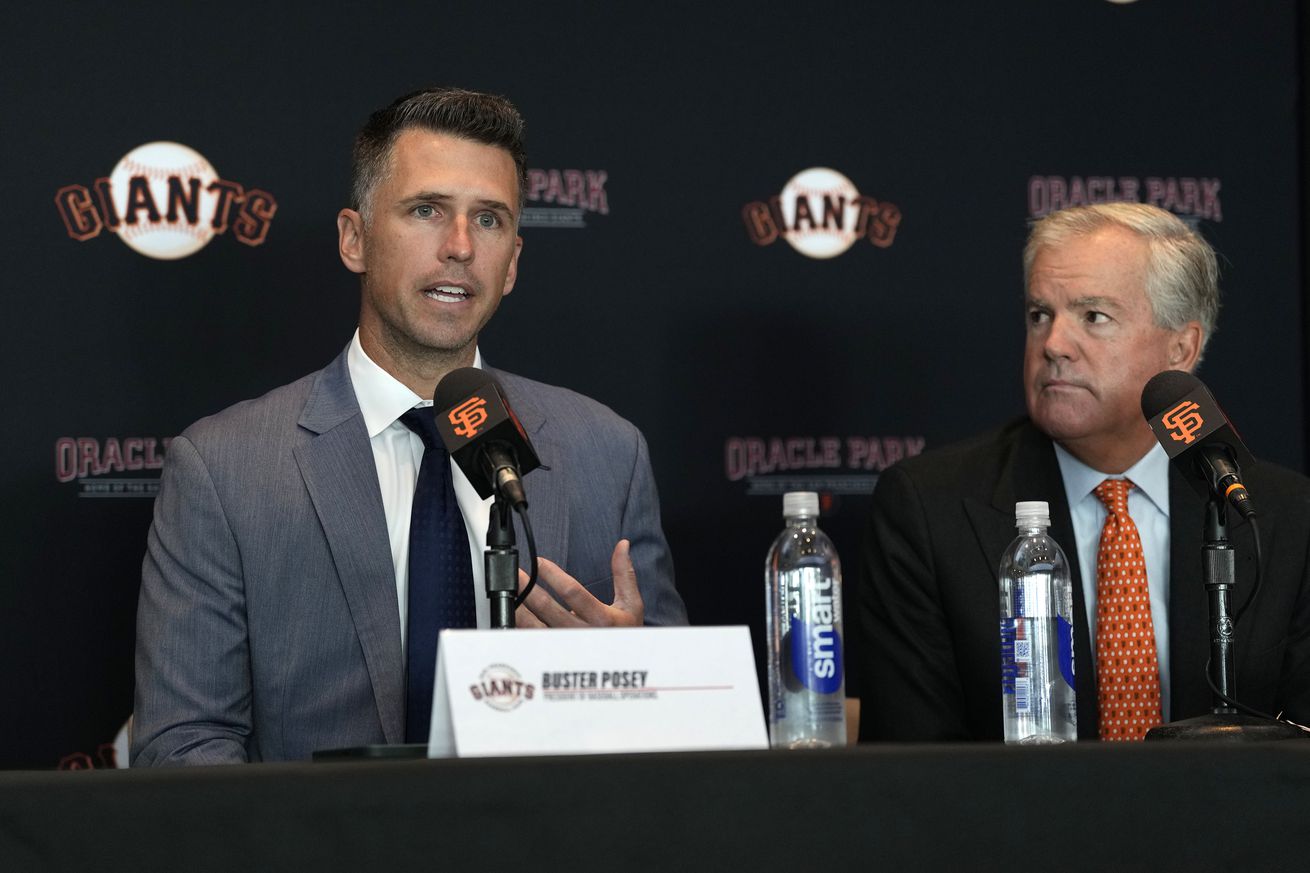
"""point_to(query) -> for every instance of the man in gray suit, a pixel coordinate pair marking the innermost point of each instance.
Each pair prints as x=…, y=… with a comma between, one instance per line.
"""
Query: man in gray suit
x=272, y=620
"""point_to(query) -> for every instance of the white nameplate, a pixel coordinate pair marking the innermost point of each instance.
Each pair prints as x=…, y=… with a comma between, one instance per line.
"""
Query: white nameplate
x=569, y=692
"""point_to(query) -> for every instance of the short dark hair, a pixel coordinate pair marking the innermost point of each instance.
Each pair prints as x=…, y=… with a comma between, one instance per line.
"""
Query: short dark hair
x=472, y=115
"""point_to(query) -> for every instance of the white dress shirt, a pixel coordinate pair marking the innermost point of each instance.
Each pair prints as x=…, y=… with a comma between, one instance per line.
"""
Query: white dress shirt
x=397, y=454
x=1148, y=504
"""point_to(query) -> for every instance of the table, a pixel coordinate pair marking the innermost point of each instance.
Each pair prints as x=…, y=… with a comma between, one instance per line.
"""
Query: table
x=979, y=807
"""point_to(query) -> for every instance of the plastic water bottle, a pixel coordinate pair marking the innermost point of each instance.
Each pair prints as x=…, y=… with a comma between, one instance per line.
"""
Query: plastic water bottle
x=1037, y=670
x=807, y=700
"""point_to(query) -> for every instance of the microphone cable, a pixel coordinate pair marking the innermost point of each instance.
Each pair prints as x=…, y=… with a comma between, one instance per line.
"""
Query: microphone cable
x=522, y=511
x=1259, y=574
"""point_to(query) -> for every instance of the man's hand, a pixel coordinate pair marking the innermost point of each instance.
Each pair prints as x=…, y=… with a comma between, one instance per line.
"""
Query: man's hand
x=583, y=610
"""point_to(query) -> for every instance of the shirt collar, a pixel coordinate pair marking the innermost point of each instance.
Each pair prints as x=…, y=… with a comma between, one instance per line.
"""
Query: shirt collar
x=1150, y=474
x=382, y=397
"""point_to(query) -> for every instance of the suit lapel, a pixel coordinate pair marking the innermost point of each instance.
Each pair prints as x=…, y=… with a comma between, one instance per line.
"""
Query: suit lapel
x=547, y=501
x=1030, y=472
x=994, y=530
x=339, y=473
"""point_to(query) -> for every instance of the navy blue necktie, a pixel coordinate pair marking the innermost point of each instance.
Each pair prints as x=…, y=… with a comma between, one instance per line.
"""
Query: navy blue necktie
x=440, y=574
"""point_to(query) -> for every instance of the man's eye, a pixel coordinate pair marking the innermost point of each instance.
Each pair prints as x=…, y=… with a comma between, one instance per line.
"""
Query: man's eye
x=488, y=220
x=1038, y=316
x=1094, y=317
x=425, y=210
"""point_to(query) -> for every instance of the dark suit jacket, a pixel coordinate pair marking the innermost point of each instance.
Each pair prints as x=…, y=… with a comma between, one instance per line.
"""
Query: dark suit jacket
x=268, y=624
x=927, y=602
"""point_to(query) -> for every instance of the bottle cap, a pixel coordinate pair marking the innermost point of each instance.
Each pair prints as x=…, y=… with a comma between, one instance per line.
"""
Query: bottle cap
x=1032, y=512
x=797, y=503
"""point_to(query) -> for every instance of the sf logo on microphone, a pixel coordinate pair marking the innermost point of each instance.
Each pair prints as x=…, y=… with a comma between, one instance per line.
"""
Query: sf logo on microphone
x=469, y=416
x=1183, y=421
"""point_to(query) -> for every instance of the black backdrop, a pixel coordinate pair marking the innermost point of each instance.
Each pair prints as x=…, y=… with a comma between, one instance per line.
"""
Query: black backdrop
x=648, y=279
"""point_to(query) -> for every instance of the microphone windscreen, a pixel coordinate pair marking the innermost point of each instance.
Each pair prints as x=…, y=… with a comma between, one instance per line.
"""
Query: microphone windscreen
x=1188, y=422
x=1166, y=389
x=458, y=384
x=473, y=416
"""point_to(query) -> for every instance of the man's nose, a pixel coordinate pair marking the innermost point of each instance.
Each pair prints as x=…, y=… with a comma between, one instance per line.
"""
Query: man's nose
x=1060, y=339
x=458, y=242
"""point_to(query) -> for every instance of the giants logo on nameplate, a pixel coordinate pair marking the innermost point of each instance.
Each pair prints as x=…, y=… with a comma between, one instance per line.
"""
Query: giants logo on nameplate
x=829, y=465
x=564, y=198
x=821, y=214
x=502, y=688
x=166, y=201
x=1193, y=199
x=111, y=466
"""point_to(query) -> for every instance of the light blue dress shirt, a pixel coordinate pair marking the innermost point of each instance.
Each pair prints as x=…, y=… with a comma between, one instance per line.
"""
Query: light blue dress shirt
x=1148, y=504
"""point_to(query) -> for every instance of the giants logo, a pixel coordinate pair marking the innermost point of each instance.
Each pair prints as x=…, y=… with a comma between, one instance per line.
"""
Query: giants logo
x=469, y=416
x=1183, y=421
x=167, y=202
x=502, y=688
x=821, y=215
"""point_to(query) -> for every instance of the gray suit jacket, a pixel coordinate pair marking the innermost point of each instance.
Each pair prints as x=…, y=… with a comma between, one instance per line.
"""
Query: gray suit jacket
x=268, y=625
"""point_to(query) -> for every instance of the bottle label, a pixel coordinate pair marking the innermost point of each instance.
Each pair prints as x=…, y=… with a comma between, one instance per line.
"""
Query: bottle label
x=1023, y=697
x=814, y=642
x=1064, y=634
x=1009, y=670
x=1023, y=651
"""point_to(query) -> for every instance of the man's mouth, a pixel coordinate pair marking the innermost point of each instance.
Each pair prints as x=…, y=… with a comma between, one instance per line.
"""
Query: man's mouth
x=1062, y=384
x=447, y=293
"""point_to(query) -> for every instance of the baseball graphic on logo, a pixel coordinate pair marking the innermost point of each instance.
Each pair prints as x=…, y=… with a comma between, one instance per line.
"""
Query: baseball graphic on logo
x=161, y=191
x=819, y=207
x=501, y=687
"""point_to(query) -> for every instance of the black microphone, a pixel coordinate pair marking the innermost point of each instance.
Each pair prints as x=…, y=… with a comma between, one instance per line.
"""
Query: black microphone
x=483, y=434
x=1198, y=437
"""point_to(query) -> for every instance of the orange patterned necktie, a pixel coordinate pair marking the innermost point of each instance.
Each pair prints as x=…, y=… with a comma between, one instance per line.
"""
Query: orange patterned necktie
x=1127, y=671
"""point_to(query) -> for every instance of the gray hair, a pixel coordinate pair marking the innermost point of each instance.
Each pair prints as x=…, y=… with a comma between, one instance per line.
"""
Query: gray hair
x=1182, y=273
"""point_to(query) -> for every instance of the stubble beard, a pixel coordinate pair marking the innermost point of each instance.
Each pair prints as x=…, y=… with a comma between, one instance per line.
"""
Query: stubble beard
x=406, y=352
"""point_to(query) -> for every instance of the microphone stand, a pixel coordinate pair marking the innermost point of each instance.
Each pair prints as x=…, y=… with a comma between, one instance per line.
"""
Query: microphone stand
x=501, y=563
x=1224, y=723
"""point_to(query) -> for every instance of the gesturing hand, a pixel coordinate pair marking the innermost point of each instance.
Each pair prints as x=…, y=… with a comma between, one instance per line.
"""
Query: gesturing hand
x=582, y=609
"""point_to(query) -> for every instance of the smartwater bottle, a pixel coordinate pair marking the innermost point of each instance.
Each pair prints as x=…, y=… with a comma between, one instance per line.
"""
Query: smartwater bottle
x=807, y=700
x=1037, y=675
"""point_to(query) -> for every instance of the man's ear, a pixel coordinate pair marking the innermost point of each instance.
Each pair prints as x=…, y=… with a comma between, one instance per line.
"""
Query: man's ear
x=350, y=240
x=511, y=276
x=1185, y=347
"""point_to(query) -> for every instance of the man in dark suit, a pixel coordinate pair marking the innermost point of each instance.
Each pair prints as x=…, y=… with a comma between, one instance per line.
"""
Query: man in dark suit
x=278, y=604
x=1115, y=294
